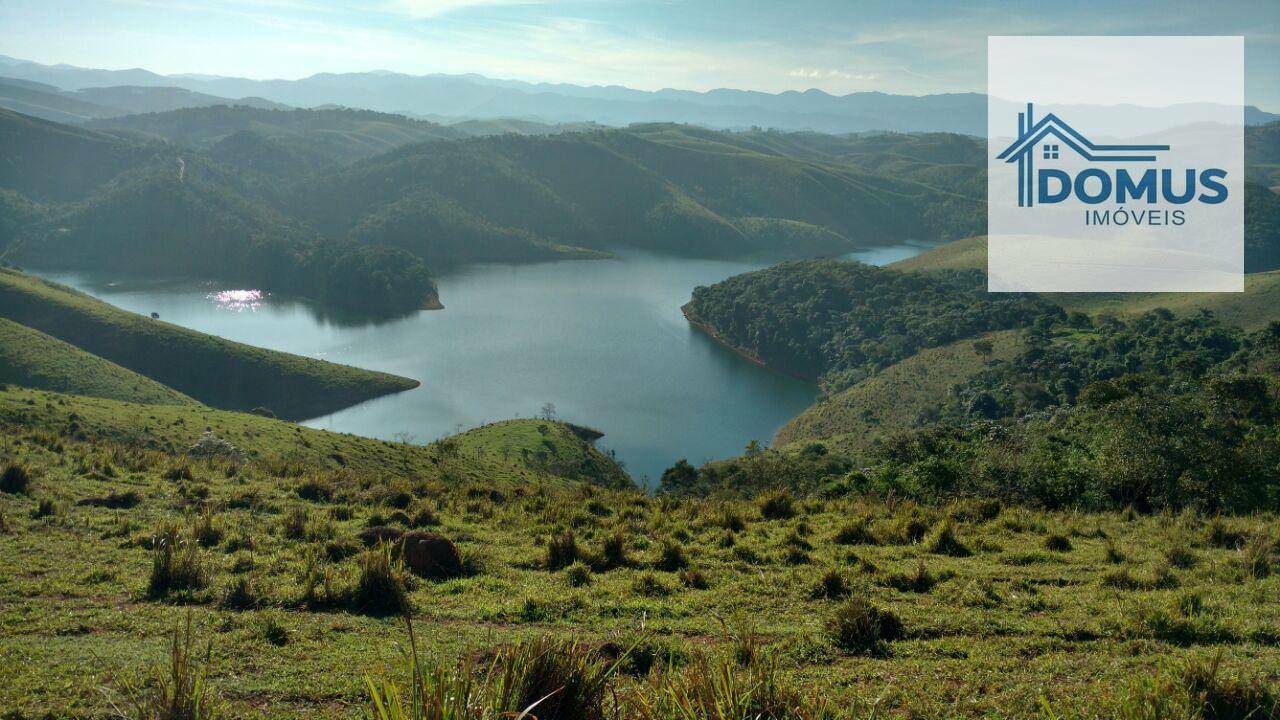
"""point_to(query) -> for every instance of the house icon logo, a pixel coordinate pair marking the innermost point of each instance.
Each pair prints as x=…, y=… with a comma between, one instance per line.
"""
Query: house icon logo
x=1049, y=135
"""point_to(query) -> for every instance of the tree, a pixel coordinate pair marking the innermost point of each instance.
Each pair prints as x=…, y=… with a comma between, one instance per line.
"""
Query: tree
x=549, y=412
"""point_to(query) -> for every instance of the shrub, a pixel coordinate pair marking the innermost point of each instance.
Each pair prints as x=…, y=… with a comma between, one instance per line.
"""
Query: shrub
x=1057, y=542
x=857, y=626
x=672, y=558
x=777, y=506
x=943, y=541
x=562, y=551
x=15, y=479
x=380, y=589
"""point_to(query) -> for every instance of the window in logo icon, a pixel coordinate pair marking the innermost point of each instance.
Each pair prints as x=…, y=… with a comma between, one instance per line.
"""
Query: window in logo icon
x=1050, y=152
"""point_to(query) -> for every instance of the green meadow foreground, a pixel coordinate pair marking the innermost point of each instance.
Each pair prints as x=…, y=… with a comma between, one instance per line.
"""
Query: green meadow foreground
x=776, y=606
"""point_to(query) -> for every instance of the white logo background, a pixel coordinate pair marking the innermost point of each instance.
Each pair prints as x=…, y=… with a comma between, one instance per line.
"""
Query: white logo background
x=1183, y=92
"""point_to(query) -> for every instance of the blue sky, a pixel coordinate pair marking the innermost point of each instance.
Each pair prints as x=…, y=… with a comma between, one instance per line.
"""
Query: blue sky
x=840, y=47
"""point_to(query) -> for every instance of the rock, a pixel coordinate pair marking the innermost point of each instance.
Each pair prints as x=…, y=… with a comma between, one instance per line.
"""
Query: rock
x=430, y=555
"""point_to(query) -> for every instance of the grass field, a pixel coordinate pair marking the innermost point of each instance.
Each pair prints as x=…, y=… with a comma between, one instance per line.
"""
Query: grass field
x=214, y=371
x=1002, y=609
x=897, y=398
x=32, y=359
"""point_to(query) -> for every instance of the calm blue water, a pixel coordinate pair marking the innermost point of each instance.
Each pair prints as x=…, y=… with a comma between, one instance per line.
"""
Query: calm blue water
x=604, y=341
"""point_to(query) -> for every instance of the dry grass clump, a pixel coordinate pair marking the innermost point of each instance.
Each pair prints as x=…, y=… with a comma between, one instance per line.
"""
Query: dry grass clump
x=859, y=627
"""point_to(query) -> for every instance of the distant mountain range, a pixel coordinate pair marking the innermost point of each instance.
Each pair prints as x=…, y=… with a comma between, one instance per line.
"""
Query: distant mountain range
x=479, y=97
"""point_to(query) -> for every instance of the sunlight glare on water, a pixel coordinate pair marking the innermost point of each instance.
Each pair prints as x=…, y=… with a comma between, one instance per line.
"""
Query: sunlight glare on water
x=237, y=300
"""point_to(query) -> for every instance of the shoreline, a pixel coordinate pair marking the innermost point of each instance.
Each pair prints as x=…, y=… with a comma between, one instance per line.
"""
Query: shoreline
x=701, y=325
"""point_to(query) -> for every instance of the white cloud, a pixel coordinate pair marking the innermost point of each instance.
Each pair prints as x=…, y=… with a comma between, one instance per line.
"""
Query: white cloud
x=829, y=74
x=436, y=8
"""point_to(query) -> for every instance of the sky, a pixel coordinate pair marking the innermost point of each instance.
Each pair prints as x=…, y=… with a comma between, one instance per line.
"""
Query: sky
x=840, y=46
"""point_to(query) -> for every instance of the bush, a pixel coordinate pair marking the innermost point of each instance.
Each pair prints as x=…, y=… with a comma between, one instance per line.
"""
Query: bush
x=15, y=479
x=859, y=627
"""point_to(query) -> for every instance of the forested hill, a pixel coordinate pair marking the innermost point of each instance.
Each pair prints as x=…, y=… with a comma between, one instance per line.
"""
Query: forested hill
x=78, y=198
x=301, y=202
x=663, y=187
x=841, y=321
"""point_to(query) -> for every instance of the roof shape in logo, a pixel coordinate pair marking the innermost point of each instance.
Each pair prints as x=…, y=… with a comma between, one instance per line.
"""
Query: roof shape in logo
x=1053, y=125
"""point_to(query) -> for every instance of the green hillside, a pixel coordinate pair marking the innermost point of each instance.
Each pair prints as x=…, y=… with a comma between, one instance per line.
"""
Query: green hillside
x=543, y=446
x=841, y=322
x=214, y=371
x=664, y=187
x=1257, y=306
x=119, y=204
x=904, y=395
x=32, y=359
x=292, y=449
x=282, y=141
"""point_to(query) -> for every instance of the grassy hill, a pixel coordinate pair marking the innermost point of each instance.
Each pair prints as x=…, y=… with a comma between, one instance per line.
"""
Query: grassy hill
x=543, y=446
x=32, y=359
x=1256, y=307
x=767, y=600
x=906, y=394
x=212, y=370
x=291, y=449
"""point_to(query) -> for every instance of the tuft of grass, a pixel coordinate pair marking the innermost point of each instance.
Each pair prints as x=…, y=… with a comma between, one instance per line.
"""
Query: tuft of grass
x=179, y=689
x=694, y=579
x=176, y=567
x=1258, y=555
x=562, y=551
x=919, y=580
x=856, y=532
x=942, y=540
x=381, y=588
x=860, y=627
x=16, y=479
x=613, y=552
x=777, y=506
x=831, y=586
x=1057, y=542
x=672, y=558
x=578, y=574
x=717, y=688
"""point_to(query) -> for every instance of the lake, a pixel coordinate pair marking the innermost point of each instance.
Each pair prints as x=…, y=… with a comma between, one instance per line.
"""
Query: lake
x=602, y=340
